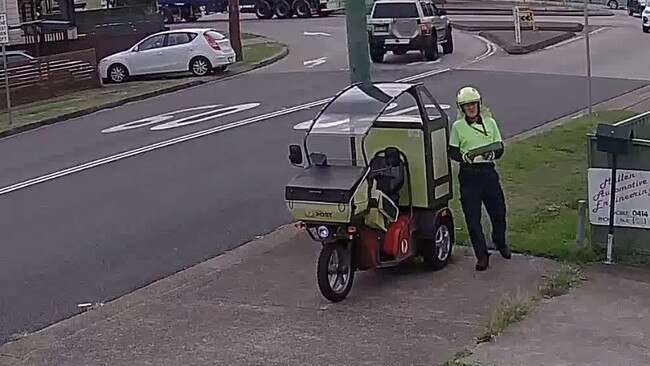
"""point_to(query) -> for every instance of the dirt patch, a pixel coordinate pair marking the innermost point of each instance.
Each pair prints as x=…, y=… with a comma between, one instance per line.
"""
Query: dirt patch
x=530, y=40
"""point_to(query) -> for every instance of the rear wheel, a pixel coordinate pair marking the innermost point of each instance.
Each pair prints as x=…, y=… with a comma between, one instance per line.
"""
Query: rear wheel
x=282, y=9
x=302, y=9
x=377, y=54
x=612, y=4
x=200, y=66
x=334, y=271
x=437, y=252
x=431, y=50
x=263, y=10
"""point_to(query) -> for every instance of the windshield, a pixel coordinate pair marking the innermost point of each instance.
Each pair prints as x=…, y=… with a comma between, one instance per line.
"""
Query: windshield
x=395, y=10
x=351, y=113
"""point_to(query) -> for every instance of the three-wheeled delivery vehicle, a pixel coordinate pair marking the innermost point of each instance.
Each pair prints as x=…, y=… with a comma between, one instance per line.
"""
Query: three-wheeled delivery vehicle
x=376, y=184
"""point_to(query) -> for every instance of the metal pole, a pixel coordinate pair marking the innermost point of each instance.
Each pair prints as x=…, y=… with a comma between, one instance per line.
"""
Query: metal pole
x=580, y=229
x=612, y=203
x=4, y=61
x=358, y=47
x=588, y=50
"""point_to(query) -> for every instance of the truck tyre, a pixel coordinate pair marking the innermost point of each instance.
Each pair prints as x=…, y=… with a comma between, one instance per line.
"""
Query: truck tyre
x=448, y=46
x=282, y=9
x=302, y=9
x=431, y=49
x=263, y=10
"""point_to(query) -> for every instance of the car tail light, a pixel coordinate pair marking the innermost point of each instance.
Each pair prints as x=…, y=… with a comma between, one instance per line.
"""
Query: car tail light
x=211, y=41
x=424, y=29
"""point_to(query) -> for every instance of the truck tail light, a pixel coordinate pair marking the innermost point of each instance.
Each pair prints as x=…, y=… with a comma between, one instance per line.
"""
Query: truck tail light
x=212, y=42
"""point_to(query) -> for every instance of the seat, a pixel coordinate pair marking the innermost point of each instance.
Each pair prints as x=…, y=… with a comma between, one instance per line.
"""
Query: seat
x=387, y=170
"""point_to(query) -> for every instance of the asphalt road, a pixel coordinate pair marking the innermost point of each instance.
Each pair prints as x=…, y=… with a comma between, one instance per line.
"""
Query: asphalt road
x=121, y=223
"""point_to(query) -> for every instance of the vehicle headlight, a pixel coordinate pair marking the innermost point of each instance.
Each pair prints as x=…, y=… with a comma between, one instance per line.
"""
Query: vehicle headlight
x=323, y=232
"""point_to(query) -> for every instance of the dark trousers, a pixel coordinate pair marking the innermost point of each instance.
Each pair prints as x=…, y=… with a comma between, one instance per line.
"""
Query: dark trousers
x=480, y=185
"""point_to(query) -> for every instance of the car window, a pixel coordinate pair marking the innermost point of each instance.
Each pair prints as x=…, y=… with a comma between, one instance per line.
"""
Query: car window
x=395, y=10
x=428, y=11
x=174, y=39
x=153, y=42
x=17, y=58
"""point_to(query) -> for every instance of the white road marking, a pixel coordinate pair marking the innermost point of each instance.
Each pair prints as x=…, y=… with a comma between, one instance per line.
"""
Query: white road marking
x=305, y=33
x=210, y=115
x=491, y=49
x=574, y=39
x=154, y=119
x=188, y=137
x=311, y=63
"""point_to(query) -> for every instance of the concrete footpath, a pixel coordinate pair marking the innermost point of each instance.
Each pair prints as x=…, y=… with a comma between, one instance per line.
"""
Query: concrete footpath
x=259, y=305
x=605, y=322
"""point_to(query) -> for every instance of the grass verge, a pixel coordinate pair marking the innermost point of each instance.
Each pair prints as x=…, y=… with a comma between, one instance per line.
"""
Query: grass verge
x=32, y=113
x=543, y=177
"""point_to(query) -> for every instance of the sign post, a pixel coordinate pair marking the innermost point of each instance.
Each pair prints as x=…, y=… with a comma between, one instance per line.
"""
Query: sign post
x=517, y=19
x=588, y=50
x=4, y=40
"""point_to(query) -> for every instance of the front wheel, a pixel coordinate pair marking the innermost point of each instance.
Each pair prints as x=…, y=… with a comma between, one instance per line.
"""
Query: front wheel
x=437, y=252
x=334, y=271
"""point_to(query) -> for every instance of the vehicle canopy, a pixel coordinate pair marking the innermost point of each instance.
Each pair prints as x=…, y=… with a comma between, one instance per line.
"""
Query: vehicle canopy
x=361, y=121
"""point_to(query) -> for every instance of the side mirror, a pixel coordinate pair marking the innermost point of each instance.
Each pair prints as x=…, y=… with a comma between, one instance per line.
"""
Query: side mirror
x=295, y=154
x=134, y=49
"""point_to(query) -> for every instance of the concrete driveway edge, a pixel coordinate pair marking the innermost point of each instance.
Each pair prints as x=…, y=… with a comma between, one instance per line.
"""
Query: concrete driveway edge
x=174, y=88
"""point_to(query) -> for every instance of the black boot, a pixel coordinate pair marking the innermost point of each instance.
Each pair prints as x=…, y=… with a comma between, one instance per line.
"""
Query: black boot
x=483, y=263
x=505, y=252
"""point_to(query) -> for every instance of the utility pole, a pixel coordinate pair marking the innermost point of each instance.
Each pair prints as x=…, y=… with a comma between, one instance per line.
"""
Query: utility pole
x=358, y=48
x=234, y=29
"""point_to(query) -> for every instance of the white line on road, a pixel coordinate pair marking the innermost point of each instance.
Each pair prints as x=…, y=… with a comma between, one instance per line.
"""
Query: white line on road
x=311, y=63
x=188, y=137
x=305, y=33
x=571, y=40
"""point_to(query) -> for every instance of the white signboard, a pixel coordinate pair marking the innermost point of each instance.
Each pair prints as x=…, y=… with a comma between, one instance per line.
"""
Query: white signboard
x=632, y=197
x=4, y=29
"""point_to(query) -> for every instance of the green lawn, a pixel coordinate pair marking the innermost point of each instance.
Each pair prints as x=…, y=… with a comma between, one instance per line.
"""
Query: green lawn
x=543, y=177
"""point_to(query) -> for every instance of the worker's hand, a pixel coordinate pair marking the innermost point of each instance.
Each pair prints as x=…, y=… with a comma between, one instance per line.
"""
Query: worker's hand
x=468, y=158
x=488, y=156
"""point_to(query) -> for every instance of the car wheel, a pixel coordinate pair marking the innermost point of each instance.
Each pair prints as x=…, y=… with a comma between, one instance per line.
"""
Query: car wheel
x=282, y=9
x=448, y=46
x=117, y=73
x=431, y=50
x=263, y=10
x=612, y=4
x=200, y=66
x=630, y=12
x=302, y=9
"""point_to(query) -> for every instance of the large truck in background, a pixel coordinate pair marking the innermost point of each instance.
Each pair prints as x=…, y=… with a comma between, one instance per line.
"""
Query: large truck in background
x=284, y=9
x=192, y=10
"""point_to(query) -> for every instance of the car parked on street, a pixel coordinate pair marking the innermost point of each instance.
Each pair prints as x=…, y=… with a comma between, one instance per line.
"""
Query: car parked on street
x=197, y=50
x=645, y=19
x=403, y=25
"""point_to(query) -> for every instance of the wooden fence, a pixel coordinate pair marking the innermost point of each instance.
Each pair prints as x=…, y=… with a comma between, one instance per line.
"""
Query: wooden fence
x=50, y=76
